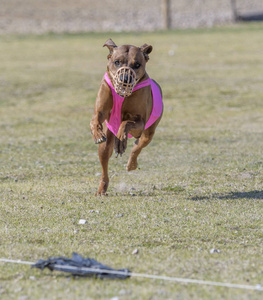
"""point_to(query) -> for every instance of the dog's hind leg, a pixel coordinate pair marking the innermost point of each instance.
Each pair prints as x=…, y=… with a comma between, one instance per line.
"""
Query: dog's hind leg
x=105, y=152
x=139, y=144
x=143, y=141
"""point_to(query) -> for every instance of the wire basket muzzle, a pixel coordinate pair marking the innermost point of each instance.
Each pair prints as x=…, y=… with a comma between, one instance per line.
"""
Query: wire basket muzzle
x=124, y=81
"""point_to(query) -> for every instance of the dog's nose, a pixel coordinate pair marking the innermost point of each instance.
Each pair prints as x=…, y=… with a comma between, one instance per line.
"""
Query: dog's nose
x=127, y=79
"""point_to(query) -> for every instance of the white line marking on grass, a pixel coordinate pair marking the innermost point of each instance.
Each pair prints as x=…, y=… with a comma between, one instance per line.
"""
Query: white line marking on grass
x=258, y=287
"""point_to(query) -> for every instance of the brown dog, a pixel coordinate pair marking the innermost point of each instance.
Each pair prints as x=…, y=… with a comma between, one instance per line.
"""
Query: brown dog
x=129, y=102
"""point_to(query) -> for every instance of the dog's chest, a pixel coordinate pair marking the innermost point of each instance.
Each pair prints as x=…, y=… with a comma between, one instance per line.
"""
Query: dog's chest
x=134, y=105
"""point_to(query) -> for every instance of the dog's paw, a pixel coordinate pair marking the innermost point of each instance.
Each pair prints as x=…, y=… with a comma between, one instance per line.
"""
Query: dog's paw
x=101, y=194
x=120, y=146
x=99, y=137
x=102, y=188
x=97, y=132
x=100, y=140
x=132, y=165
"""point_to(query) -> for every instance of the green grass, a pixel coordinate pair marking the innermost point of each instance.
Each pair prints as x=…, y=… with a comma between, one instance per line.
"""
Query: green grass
x=200, y=183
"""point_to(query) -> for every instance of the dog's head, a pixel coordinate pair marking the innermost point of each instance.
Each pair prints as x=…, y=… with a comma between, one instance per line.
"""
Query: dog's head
x=126, y=65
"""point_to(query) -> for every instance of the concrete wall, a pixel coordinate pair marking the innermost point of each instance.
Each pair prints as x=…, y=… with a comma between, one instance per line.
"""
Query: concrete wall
x=38, y=16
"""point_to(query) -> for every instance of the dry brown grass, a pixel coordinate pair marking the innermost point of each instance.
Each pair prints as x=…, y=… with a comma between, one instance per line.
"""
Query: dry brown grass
x=199, y=185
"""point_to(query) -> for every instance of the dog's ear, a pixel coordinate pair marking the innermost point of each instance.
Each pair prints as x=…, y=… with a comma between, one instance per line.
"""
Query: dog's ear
x=110, y=45
x=146, y=50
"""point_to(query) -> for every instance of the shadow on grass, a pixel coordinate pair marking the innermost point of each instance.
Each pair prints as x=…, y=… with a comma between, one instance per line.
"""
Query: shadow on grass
x=233, y=195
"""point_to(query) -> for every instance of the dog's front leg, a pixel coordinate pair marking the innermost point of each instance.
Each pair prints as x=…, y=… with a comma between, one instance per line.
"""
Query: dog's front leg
x=134, y=127
x=105, y=152
x=97, y=128
x=103, y=106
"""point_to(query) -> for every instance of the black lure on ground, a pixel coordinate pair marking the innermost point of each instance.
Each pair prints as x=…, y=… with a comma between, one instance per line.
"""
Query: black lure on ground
x=77, y=263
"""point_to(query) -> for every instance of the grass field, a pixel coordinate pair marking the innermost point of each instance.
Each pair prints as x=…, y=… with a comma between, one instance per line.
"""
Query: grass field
x=200, y=183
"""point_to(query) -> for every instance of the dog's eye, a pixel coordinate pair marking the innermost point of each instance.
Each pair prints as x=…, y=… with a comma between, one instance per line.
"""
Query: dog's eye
x=117, y=63
x=137, y=65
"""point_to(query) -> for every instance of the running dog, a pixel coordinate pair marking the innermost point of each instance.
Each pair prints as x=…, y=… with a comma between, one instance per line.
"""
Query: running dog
x=130, y=104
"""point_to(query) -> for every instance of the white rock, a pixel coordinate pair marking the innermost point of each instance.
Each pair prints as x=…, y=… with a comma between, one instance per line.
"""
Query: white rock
x=119, y=216
x=82, y=221
x=214, y=251
x=135, y=251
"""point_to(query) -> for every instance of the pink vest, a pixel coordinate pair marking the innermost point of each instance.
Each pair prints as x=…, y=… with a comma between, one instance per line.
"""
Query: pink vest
x=115, y=117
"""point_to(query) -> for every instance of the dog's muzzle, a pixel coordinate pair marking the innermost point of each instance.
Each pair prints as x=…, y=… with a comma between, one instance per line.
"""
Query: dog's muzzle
x=124, y=81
